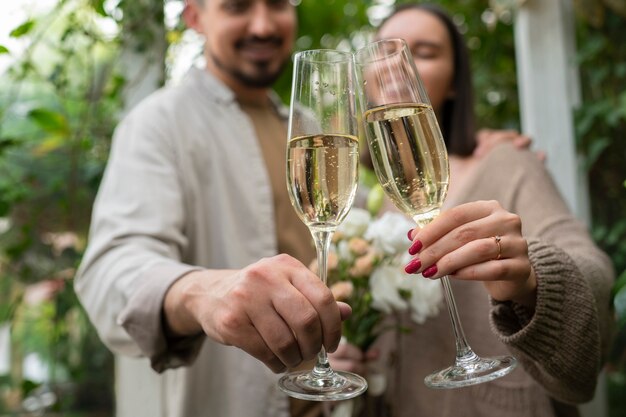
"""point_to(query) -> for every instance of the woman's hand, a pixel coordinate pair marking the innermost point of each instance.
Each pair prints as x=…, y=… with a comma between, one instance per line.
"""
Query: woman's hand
x=478, y=241
x=350, y=358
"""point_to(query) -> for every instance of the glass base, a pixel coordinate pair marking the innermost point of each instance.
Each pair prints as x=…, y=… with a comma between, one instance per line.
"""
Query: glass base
x=472, y=372
x=338, y=385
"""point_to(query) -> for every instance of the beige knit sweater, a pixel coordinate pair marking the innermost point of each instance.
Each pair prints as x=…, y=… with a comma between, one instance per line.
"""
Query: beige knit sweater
x=559, y=347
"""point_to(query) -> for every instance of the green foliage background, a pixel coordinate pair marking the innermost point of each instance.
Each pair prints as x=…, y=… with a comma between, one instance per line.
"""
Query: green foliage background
x=61, y=99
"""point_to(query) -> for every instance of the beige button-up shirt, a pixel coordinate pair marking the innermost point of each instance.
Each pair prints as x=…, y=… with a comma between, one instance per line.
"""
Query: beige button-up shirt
x=185, y=187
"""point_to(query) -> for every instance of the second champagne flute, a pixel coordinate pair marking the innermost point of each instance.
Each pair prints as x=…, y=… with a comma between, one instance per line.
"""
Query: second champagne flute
x=411, y=162
x=322, y=171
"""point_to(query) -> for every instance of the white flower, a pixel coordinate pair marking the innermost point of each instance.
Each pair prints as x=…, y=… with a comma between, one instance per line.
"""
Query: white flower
x=388, y=281
x=385, y=282
x=5, y=224
x=388, y=233
x=355, y=223
x=343, y=250
x=426, y=298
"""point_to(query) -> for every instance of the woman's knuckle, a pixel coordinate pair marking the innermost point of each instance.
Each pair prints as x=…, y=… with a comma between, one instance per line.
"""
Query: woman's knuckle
x=486, y=247
x=515, y=221
x=430, y=254
x=500, y=269
x=458, y=215
x=494, y=205
x=465, y=234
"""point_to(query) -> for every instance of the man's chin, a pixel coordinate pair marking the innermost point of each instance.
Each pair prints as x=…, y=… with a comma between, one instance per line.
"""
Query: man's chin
x=259, y=77
x=254, y=74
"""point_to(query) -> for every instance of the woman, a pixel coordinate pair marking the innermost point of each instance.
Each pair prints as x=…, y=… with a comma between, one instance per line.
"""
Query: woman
x=545, y=285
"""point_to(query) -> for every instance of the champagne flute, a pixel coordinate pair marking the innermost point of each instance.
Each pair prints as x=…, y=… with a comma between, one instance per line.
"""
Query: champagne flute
x=411, y=162
x=322, y=174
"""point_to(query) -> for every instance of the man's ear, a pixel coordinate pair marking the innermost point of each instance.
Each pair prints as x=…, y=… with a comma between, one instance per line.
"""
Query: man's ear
x=191, y=15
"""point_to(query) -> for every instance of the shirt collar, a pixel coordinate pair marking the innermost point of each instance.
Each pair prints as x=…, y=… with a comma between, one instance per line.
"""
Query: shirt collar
x=217, y=90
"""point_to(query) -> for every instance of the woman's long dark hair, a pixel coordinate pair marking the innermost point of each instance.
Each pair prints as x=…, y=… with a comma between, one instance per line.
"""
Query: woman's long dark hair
x=457, y=116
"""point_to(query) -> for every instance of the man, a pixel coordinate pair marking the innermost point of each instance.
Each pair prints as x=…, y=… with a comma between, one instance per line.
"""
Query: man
x=192, y=210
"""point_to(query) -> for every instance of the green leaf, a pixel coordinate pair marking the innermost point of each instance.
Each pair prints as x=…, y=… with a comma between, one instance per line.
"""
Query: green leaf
x=375, y=199
x=50, y=121
x=98, y=6
x=50, y=144
x=595, y=150
x=616, y=233
x=620, y=284
x=6, y=143
x=3, y=49
x=620, y=304
x=22, y=29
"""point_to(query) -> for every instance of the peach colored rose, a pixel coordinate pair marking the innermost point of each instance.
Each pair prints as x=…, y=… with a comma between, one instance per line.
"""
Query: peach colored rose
x=332, y=262
x=342, y=290
x=358, y=246
x=61, y=241
x=363, y=265
x=337, y=236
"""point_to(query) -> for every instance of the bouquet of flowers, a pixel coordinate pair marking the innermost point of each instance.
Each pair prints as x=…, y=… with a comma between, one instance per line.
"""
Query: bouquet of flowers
x=366, y=270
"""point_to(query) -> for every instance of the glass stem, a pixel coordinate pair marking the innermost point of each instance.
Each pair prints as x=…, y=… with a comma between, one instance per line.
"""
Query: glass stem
x=464, y=353
x=322, y=240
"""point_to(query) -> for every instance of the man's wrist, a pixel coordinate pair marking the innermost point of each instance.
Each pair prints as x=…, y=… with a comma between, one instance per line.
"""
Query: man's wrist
x=178, y=318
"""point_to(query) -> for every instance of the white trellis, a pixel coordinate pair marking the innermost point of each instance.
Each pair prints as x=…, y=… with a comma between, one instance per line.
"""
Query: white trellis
x=549, y=90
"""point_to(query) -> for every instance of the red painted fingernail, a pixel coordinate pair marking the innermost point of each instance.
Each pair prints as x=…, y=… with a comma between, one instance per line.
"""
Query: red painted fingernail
x=430, y=271
x=415, y=247
x=413, y=266
x=409, y=235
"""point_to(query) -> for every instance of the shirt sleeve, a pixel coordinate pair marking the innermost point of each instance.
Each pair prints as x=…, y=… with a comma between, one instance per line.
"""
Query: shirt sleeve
x=136, y=242
x=562, y=342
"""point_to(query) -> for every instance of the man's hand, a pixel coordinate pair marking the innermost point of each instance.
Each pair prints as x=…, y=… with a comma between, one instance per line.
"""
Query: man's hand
x=276, y=310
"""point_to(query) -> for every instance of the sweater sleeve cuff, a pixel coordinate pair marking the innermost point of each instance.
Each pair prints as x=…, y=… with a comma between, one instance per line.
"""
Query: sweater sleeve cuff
x=537, y=330
x=142, y=318
x=563, y=317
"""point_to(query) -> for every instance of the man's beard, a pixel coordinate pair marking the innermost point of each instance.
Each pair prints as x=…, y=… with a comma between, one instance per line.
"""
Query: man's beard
x=262, y=78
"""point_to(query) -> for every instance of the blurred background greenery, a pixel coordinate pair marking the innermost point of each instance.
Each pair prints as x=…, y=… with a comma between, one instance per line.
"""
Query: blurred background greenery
x=66, y=85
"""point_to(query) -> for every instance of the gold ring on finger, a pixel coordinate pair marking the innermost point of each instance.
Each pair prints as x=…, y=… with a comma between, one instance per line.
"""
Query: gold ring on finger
x=497, y=240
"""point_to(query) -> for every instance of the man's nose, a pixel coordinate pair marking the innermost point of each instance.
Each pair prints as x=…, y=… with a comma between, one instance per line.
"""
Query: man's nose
x=262, y=22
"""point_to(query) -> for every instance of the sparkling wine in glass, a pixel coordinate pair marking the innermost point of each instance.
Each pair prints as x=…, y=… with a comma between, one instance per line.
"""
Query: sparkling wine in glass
x=322, y=174
x=411, y=162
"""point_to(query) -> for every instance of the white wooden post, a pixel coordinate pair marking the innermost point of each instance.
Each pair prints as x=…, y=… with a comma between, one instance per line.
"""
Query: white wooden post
x=5, y=348
x=549, y=89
